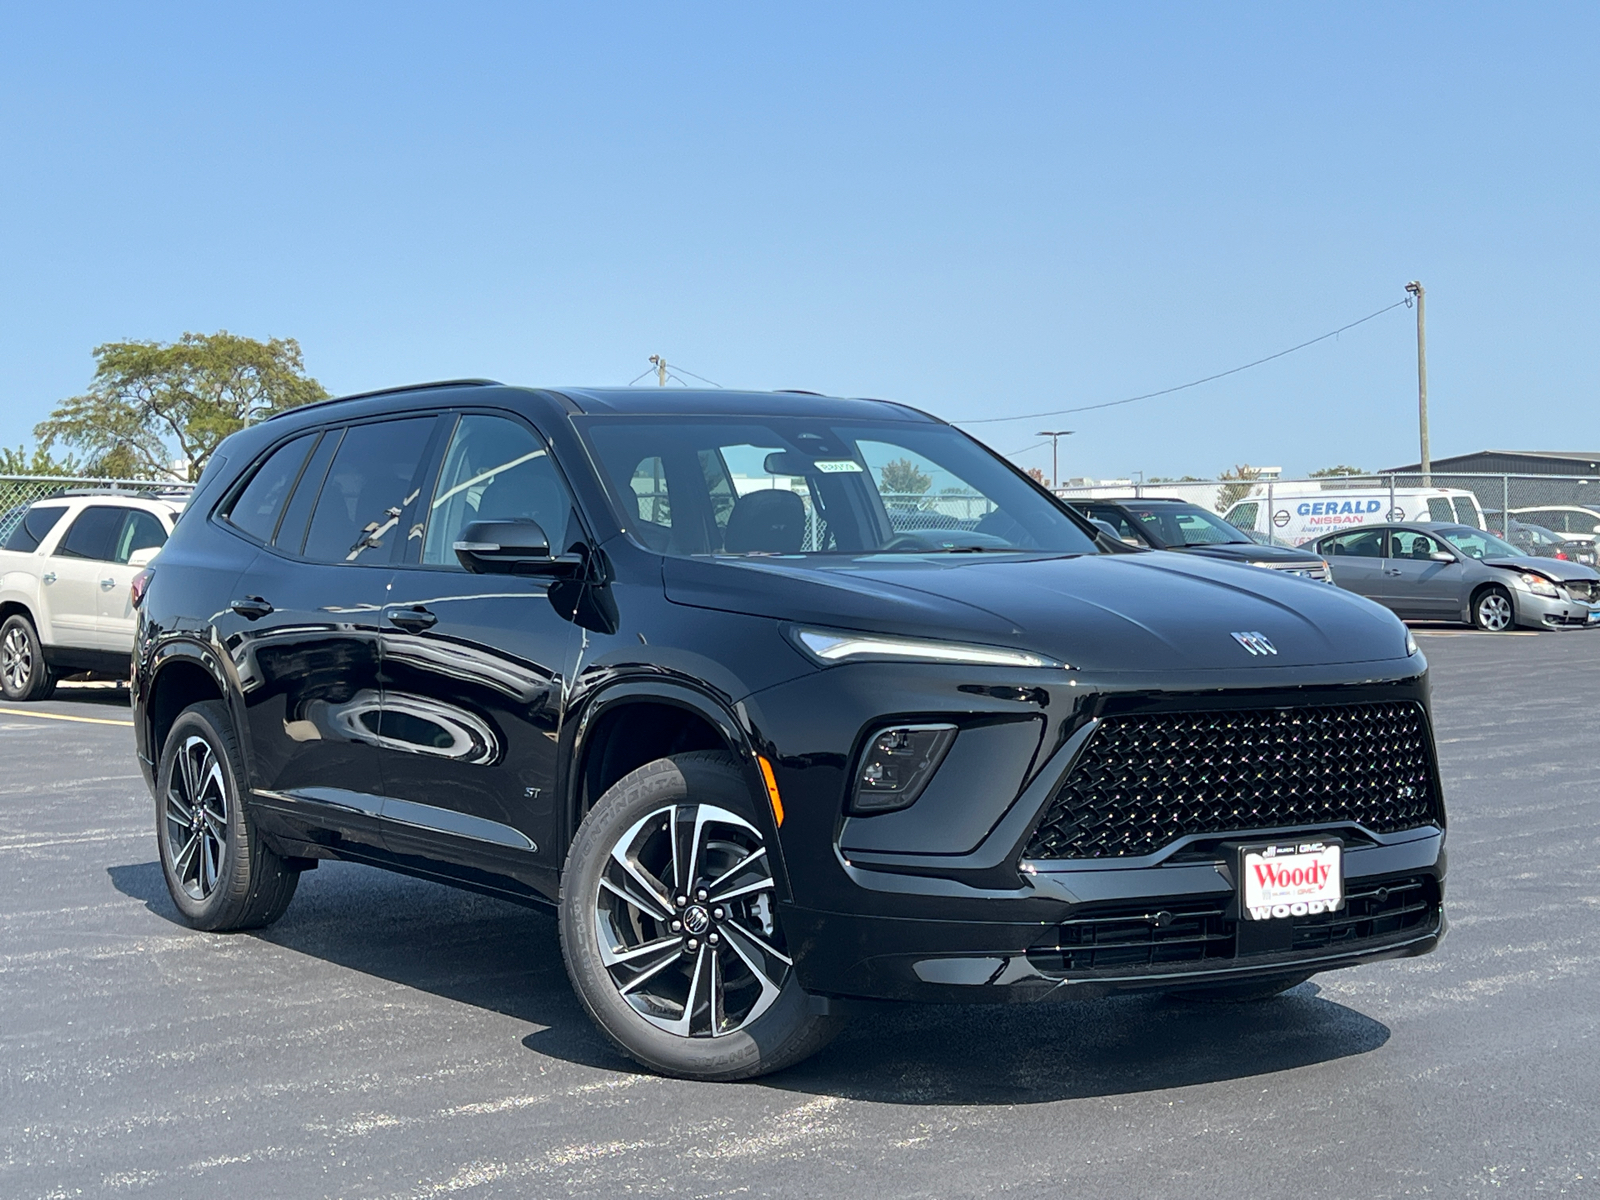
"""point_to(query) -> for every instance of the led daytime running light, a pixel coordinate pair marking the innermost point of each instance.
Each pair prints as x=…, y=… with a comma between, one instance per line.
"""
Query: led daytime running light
x=830, y=647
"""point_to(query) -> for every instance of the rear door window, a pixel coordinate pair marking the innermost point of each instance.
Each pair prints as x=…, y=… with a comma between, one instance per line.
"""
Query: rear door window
x=291, y=535
x=258, y=507
x=94, y=534
x=1439, y=509
x=373, y=479
x=1467, y=512
x=140, y=531
x=1365, y=544
x=33, y=527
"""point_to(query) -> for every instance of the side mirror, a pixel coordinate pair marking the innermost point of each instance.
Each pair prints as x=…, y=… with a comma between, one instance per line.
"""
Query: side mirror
x=143, y=557
x=1110, y=530
x=511, y=548
x=1442, y=556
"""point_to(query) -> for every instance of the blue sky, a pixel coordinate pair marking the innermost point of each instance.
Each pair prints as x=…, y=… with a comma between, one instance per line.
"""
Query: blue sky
x=983, y=211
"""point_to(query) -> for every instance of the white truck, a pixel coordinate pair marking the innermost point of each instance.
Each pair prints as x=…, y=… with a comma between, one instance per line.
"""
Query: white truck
x=66, y=566
x=1302, y=511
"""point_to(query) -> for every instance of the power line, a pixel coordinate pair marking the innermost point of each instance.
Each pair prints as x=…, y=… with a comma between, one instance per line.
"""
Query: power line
x=692, y=375
x=1059, y=412
x=657, y=366
x=640, y=376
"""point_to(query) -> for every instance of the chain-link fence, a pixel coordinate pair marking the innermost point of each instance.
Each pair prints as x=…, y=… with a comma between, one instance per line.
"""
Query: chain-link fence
x=19, y=491
x=1533, y=511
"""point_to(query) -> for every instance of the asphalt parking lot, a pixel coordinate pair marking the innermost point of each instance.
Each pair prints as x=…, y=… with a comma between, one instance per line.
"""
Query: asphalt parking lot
x=393, y=1038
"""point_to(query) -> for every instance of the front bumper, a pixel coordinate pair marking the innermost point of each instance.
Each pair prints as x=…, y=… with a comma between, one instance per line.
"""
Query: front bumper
x=936, y=903
x=1559, y=612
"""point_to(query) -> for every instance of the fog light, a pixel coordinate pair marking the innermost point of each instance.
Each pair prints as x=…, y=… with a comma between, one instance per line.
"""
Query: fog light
x=897, y=765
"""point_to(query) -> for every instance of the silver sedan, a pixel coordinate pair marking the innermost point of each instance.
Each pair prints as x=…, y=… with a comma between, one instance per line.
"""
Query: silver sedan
x=1432, y=571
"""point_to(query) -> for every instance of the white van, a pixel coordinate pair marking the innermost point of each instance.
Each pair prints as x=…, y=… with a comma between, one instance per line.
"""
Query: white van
x=1302, y=511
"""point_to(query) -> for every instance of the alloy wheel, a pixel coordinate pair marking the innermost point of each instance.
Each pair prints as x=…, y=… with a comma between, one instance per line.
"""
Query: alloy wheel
x=685, y=924
x=197, y=818
x=16, y=659
x=1494, y=612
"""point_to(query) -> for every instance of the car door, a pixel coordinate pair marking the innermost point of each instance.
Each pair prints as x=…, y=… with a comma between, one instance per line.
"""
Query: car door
x=1356, y=560
x=141, y=530
x=74, y=577
x=1416, y=585
x=475, y=666
x=303, y=627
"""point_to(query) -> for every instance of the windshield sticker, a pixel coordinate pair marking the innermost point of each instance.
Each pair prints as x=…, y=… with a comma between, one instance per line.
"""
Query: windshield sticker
x=838, y=466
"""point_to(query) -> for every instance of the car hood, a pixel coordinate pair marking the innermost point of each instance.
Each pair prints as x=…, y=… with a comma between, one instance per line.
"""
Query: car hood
x=1113, y=612
x=1559, y=570
x=1253, y=552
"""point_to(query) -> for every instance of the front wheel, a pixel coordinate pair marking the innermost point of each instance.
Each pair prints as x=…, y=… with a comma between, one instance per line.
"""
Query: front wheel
x=669, y=929
x=24, y=675
x=1492, y=611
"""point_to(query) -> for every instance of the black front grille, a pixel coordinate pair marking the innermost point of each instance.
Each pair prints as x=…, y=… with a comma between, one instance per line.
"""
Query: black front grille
x=1144, y=780
x=1136, y=939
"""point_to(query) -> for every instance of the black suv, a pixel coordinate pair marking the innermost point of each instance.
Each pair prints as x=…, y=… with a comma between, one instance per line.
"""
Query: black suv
x=783, y=701
x=1162, y=524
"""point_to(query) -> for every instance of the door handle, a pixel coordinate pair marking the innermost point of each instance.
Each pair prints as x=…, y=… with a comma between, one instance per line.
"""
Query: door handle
x=107, y=584
x=48, y=577
x=1392, y=571
x=251, y=608
x=414, y=619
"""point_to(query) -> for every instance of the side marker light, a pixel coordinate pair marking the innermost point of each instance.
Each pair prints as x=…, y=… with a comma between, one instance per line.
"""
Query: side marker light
x=772, y=789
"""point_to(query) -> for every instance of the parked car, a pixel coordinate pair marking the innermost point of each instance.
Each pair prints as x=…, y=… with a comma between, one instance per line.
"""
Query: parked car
x=1159, y=524
x=1302, y=512
x=1544, y=543
x=1572, y=521
x=66, y=566
x=1428, y=571
x=667, y=662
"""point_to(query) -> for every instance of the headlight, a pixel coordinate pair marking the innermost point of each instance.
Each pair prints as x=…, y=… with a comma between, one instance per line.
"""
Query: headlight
x=897, y=765
x=1540, y=586
x=1411, y=644
x=831, y=646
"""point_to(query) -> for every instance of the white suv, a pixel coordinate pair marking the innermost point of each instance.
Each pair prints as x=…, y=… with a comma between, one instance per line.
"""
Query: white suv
x=66, y=566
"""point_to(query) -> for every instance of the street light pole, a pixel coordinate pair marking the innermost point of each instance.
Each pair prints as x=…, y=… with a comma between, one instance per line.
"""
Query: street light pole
x=1416, y=290
x=1055, y=436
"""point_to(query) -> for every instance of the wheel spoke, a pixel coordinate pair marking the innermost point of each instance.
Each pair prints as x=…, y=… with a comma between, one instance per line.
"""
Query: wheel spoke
x=758, y=944
x=744, y=863
x=719, y=1016
x=216, y=823
x=614, y=956
x=208, y=866
x=184, y=859
x=758, y=885
x=649, y=896
x=177, y=809
x=687, y=822
x=649, y=972
x=697, y=986
x=754, y=958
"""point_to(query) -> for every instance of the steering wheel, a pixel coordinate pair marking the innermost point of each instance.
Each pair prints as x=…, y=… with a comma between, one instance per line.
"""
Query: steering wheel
x=903, y=541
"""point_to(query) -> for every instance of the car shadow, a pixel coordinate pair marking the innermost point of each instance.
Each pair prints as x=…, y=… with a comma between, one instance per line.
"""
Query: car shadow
x=98, y=694
x=507, y=959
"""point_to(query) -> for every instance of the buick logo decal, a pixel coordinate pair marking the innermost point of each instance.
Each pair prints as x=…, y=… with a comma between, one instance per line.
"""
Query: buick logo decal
x=1256, y=643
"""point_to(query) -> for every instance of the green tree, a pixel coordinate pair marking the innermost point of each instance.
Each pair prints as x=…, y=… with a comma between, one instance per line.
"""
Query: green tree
x=155, y=409
x=1336, y=472
x=40, y=462
x=1243, y=476
x=902, y=477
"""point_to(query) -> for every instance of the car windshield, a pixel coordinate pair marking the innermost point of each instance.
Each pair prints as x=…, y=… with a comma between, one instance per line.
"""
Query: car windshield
x=1185, y=525
x=810, y=486
x=1475, y=543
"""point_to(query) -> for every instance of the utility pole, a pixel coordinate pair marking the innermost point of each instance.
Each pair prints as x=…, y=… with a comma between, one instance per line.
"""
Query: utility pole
x=1416, y=290
x=661, y=369
x=1055, y=436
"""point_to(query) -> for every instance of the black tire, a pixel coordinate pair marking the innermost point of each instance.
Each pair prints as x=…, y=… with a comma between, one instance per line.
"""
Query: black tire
x=765, y=1029
x=24, y=675
x=1244, y=992
x=219, y=871
x=1493, y=610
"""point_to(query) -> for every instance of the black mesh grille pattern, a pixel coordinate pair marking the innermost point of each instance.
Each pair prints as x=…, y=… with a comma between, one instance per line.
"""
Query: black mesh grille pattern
x=1144, y=780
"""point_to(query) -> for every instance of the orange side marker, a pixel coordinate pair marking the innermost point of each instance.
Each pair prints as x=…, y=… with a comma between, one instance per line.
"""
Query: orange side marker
x=772, y=790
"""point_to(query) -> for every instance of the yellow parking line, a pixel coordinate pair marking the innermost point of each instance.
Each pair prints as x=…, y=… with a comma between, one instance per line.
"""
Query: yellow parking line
x=44, y=716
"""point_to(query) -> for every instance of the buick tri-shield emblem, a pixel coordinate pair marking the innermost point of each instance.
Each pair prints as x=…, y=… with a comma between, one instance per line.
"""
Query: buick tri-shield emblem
x=1256, y=643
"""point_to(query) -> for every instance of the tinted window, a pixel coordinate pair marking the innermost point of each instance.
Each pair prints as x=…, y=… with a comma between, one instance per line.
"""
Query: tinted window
x=1243, y=515
x=94, y=534
x=804, y=485
x=1439, y=509
x=1467, y=512
x=34, y=524
x=369, y=485
x=292, y=529
x=140, y=531
x=494, y=470
x=257, y=508
x=1366, y=544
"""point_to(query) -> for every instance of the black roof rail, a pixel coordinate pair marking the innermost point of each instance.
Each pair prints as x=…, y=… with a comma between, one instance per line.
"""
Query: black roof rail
x=798, y=392
x=392, y=391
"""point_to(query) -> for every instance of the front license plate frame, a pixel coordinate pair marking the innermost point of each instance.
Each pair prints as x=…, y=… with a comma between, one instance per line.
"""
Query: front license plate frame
x=1282, y=880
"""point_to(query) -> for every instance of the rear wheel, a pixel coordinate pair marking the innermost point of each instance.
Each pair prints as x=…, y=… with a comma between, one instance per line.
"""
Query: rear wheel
x=24, y=675
x=1242, y=992
x=1492, y=611
x=669, y=930
x=219, y=872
